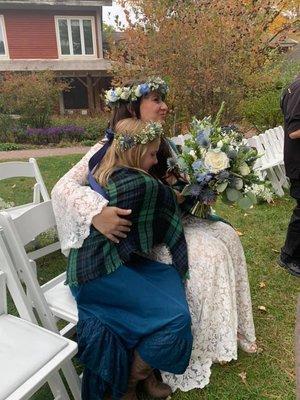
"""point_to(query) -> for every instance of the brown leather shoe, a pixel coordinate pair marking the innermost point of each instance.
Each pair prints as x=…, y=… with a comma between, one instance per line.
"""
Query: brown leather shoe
x=139, y=371
x=156, y=388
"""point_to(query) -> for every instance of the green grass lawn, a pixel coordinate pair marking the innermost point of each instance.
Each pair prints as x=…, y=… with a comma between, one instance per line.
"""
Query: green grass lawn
x=270, y=374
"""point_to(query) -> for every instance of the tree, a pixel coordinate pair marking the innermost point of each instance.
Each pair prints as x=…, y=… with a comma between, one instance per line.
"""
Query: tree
x=208, y=50
x=32, y=95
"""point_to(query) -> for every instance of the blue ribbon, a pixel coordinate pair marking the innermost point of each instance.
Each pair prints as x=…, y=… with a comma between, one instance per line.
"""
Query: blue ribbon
x=96, y=159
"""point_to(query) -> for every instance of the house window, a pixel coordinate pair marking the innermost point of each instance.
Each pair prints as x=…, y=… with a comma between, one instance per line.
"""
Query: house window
x=76, y=36
x=3, y=43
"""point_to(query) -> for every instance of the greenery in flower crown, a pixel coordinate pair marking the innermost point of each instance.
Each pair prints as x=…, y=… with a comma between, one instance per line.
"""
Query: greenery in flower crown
x=127, y=94
x=152, y=131
x=217, y=161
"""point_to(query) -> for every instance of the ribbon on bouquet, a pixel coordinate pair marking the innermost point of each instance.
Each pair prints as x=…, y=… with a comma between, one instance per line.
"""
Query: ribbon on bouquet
x=96, y=159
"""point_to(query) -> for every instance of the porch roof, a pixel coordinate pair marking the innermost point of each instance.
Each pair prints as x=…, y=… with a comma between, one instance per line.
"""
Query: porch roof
x=64, y=67
x=50, y=4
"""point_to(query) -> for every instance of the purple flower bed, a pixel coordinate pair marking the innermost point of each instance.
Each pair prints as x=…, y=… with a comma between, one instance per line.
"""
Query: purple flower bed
x=53, y=135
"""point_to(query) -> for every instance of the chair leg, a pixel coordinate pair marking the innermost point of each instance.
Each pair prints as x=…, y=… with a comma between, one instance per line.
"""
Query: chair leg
x=57, y=387
x=72, y=379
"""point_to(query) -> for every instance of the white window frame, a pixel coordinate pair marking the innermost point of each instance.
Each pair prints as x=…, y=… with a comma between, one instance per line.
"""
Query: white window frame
x=3, y=30
x=80, y=18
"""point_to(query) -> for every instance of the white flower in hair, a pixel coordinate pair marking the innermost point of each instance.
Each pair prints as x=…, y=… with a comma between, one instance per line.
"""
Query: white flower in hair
x=137, y=91
x=111, y=96
x=125, y=93
x=119, y=91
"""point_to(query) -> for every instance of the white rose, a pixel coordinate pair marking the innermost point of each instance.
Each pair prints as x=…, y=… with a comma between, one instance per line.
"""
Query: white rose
x=244, y=169
x=193, y=154
x=215, y=161
x=137, y=91
x=118, y=91
x=125, y=93
x=220, y=144
x=111, y=96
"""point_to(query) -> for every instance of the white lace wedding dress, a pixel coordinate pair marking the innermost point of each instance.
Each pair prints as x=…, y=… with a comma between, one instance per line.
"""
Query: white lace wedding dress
x=217, y=290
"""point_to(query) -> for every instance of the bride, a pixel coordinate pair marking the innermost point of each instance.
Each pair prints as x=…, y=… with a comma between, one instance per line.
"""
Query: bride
x=218, y=288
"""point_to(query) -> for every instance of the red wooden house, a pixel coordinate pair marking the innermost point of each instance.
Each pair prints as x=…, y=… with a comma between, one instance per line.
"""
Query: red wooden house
x=61, y=35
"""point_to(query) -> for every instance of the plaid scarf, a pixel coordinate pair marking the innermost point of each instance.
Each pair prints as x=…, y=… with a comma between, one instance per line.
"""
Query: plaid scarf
x=155, y=218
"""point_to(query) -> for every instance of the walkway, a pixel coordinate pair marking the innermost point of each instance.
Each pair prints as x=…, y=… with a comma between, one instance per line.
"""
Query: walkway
x=46, y=152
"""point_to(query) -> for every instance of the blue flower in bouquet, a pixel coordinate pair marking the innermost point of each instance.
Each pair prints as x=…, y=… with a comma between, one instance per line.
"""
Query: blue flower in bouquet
x=203, y=139
x=223, y=175
x=197, y=165
x=204, y=178
x=208, y=196
x=144, y=89
x=195, y=190
x=232, y=154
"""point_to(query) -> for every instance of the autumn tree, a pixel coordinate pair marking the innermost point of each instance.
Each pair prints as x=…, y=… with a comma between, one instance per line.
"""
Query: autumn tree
x=208, y=50
x=32, y=95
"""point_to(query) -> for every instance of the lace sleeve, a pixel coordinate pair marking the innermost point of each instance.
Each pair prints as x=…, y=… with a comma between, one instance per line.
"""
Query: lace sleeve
x=75, y=204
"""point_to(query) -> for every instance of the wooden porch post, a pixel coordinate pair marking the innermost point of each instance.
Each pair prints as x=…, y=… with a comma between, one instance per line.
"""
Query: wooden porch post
x=90, y=90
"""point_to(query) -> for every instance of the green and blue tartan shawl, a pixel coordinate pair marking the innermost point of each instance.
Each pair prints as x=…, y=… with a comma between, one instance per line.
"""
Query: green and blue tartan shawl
x=155, y=217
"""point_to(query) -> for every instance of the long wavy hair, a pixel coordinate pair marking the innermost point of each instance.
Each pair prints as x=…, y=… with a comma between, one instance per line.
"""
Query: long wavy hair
x=115, y=157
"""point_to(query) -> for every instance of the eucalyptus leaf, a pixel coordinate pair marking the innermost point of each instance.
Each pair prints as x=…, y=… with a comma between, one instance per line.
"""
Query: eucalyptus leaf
x=233, y=194
x=252, y=197
x=221, y=187
x=244, y=203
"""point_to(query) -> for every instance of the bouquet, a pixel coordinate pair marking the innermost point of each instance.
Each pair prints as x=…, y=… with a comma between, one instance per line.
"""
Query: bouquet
x=216, y=161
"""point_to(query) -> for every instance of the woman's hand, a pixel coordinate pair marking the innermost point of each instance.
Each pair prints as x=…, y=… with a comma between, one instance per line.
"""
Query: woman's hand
x=180, y=197
x=111, y=225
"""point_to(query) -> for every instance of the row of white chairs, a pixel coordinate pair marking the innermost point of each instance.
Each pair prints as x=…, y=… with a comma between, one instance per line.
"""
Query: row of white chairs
x=32, y=348
x=271, y=164
x=50, y=303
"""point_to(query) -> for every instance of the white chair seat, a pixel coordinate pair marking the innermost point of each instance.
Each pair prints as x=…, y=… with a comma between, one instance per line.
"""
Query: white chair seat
x=25, y=349
x=60, y=299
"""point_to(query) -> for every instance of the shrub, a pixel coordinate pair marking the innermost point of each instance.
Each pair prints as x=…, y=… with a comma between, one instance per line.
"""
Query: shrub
x=94, y=127
x=32, y=95
x=44, y=136
x=262, y=106
x=263, y=111
x=10, y=146
x=7, y=127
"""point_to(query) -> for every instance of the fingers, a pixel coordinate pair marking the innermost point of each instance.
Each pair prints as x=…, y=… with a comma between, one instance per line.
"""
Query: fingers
x=123, y=228
x=112, y=238
x=124, y=222
x=121, y=211
x=119, y=234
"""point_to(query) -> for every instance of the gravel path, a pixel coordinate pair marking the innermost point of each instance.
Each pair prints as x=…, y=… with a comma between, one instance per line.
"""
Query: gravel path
x=36, y=153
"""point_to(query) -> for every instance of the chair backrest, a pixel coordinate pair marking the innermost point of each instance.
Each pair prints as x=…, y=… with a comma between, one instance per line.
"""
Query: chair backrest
x=18, y=233
x=3, y=299
x=13, y=284
x=29, y=169
x=270, y=145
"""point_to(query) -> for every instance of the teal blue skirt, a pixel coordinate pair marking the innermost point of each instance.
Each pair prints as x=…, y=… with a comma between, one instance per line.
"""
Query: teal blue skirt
x=141, y=306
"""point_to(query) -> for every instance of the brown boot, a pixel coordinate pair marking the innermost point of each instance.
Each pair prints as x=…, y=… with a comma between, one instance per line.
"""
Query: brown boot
x=139, y=371
x=156, y=388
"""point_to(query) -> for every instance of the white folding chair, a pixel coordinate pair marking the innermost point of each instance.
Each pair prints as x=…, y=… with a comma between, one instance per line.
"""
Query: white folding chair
x=53, y=300
x=30, y=355
x=270, y=146
x=29, y=169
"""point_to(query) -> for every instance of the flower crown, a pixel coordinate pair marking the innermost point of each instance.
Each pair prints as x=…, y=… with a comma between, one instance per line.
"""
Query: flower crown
x=152, y=131
x=115, y=96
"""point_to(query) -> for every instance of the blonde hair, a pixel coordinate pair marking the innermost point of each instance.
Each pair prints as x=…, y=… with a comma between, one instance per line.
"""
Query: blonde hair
x=115, y=157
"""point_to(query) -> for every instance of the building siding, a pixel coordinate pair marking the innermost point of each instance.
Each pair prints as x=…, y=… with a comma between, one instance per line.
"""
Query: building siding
x=31, y=34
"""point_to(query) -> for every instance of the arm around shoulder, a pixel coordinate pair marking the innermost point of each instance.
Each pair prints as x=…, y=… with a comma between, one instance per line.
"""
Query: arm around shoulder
x=75, y=204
